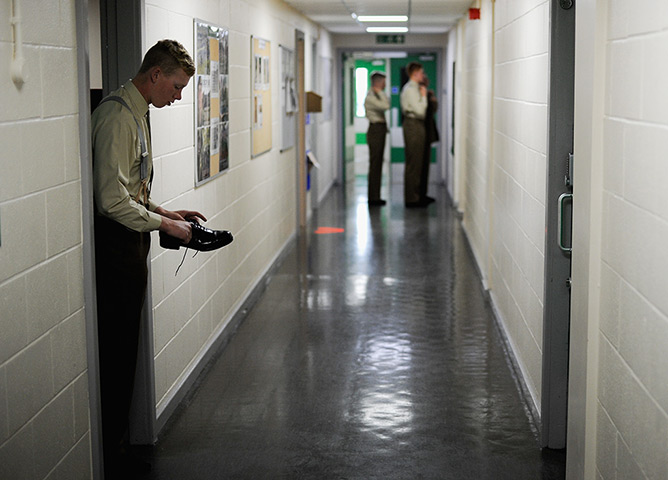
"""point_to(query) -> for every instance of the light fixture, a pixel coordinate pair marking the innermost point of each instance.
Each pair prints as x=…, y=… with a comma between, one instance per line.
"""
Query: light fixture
x=382, y=18
x=386, y=54
x=387, y=29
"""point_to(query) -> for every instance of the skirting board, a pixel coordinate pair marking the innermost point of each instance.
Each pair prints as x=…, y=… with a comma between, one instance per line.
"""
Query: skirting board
x=515, y=367
x=212, y=352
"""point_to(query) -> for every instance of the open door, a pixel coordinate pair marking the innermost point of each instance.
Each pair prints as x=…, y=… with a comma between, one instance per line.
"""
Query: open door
x=556, y=316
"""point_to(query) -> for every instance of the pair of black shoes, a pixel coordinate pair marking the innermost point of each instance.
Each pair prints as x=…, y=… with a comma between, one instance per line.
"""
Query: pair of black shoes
x=377, y=203
x=422, y=203
x=203, y=239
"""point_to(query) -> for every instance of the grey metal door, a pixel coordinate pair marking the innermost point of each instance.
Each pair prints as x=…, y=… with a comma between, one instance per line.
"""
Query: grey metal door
x=556, y=308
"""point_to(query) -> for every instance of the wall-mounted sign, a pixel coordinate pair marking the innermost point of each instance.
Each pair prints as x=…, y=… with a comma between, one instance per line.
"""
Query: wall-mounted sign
x=391, y=39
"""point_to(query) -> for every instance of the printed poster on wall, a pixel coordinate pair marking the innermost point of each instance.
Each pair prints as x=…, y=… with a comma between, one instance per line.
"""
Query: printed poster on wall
x=261, y=98
x=211, y=101
x=288, y=97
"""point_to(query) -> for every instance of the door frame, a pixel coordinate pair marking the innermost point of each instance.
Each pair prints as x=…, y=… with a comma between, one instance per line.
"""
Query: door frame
x=122, y=37
x=556, y=307
x=300, y=75
x=88, y=249
x=438, y=88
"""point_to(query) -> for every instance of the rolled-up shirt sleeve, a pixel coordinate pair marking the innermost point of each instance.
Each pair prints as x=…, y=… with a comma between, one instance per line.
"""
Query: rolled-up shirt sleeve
x=116, y=178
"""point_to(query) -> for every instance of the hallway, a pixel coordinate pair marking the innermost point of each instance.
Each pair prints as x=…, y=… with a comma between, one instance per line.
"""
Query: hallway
x=371, y=354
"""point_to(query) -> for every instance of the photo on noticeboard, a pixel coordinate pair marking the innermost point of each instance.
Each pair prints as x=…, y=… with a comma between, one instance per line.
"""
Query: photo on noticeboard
x=211, y=101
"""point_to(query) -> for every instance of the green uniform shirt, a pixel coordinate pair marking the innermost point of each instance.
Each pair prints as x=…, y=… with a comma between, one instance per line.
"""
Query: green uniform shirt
x=117, y=160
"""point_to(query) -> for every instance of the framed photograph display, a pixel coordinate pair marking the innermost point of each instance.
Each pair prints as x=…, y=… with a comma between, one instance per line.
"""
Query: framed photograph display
x=261, y=96
x=288, y=97
x=211, y=101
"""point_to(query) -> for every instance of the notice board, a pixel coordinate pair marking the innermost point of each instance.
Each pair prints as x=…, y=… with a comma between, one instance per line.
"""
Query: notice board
x=261, y=97
x=211, y=101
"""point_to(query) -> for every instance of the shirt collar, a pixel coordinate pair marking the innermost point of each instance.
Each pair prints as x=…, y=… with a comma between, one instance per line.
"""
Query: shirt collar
x=137, y=102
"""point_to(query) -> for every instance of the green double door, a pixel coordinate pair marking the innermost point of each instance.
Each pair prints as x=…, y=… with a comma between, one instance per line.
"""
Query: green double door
x=354, y=95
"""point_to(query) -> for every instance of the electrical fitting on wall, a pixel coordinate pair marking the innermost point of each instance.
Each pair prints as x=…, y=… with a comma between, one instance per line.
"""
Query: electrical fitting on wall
x=16, y=67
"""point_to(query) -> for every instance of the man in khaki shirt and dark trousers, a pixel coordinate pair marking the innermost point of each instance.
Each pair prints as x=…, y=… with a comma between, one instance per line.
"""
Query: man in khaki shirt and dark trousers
x=376, y=104
x=125, y=214
x=413, y=102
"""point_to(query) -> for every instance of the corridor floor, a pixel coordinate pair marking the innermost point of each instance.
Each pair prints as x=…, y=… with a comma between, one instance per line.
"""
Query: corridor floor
x=372, y=354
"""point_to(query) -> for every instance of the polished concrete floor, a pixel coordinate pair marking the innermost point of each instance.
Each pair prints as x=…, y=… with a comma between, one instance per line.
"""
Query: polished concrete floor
x=371, y=355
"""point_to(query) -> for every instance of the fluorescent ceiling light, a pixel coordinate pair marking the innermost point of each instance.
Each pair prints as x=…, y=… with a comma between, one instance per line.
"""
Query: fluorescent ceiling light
x=387, y=29
x=382, y=18
x=390, y=54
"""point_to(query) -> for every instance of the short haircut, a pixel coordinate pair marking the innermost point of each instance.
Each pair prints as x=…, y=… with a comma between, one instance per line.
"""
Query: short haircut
x=169, y=55
x=376, y=77
x=412, y=67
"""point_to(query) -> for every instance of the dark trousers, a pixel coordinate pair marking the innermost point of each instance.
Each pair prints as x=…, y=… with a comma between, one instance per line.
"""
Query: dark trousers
x=121, y=276
x=375, y=138
x=424, y=176
x=414, y=140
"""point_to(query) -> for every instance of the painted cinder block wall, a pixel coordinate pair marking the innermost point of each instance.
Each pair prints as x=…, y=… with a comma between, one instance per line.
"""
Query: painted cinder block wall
x=500, y=157
x=44, y=414
x=521, y=32
x=632, y=406
x=255, y=199
x=618, y=399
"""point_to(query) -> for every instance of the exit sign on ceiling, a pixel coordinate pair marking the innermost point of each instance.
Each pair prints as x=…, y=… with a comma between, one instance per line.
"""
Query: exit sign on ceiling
x=395, y=39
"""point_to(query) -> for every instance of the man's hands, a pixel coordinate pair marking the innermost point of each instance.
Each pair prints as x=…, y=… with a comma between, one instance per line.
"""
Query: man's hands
x=176, y=224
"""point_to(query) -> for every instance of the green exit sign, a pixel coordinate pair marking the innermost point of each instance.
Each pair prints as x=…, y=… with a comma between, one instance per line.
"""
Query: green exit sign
x=394, y=39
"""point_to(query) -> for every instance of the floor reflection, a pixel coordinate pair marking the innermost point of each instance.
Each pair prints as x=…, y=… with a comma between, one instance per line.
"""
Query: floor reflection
x=371, y=354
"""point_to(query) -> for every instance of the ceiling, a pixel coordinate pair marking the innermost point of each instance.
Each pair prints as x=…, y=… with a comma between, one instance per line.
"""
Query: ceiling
x=424, y=16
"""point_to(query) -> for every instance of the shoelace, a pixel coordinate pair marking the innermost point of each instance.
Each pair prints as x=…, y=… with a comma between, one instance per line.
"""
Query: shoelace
x=183, y=259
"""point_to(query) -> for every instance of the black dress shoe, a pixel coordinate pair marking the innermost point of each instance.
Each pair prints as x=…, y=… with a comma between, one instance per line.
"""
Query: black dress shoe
x=203, y=239
x=377, y=203
x=427, y=199
x=420, y=204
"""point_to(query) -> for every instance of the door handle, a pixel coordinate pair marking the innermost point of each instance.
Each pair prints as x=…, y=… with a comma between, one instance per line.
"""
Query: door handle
x=560, y=219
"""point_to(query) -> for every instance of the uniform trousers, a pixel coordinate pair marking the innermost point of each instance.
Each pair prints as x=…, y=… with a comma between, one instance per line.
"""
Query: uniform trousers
x=375, y=138
x=414, y=141
x=121, y=276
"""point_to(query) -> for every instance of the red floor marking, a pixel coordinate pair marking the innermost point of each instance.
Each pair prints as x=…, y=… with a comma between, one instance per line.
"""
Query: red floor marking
x=325, y=230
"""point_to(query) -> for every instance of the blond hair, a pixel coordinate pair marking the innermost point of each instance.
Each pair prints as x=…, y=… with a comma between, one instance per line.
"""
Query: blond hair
x=169, y=55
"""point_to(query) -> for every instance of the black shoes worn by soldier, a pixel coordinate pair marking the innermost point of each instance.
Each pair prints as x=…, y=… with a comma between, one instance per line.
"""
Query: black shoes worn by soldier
x=203, y=239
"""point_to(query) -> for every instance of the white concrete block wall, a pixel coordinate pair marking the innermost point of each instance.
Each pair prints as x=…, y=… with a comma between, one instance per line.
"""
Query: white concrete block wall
x=44, y=415
x=477, y=92
x=520, y=135
x=255, y=198
x=632, y=427
x=505, y=68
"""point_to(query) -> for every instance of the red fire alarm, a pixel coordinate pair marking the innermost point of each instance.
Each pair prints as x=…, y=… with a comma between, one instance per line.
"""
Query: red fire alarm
x=474, y=14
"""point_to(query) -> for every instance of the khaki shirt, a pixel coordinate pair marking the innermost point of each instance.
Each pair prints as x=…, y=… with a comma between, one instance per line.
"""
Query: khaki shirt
x=413, y=105
x=117, y=159
x=375, y=104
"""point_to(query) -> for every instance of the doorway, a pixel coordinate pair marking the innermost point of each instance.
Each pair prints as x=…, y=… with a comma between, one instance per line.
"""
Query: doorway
x=356, y=68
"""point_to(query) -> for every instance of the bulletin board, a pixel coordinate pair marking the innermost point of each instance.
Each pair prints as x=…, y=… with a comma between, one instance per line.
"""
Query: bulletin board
x=261, y=97
x=288, y=97
x=211, y=101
